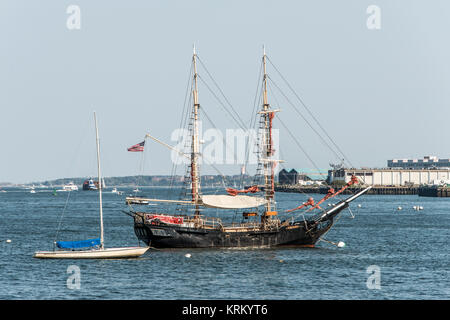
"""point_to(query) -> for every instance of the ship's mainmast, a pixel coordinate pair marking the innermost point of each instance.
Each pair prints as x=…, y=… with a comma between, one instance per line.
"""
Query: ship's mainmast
x=195, y=181
x=267, y=148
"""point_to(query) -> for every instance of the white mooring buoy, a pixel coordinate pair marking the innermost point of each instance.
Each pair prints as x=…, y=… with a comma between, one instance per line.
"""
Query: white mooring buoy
x=359, y=206
x=187, y=255
x=399, y=208
x=341, y=244
x=8, y=241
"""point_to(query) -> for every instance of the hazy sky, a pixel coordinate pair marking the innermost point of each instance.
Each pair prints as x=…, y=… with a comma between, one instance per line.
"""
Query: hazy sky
x=381, y=93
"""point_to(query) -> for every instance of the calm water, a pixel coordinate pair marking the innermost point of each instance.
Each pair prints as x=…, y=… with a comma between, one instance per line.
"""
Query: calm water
x=410, y=248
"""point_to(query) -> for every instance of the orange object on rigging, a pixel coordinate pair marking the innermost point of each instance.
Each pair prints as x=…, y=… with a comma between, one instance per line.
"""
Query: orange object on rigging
x=234, y=192
x=310, y=202
x=331, y=193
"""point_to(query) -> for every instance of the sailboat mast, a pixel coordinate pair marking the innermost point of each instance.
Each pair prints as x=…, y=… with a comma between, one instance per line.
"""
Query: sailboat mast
x=100, y=187
x=195, y=141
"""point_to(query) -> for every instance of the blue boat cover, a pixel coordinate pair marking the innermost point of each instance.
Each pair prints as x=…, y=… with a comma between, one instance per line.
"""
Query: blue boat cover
x=78, y=244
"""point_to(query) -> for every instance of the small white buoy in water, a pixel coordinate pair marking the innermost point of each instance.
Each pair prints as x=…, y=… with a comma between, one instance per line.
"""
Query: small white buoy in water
x=8, y=241
x=341, y=244
x=187, y=255
x=420, y=208
x=329, y=204
x=415, y=207
x=359, y=205
x=399, y=208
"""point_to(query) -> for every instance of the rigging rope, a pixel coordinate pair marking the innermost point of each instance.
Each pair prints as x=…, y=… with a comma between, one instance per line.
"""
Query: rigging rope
x=310, y=113
x=60, y=219
x=240, y=122
x=303, y=117
x=309, y=124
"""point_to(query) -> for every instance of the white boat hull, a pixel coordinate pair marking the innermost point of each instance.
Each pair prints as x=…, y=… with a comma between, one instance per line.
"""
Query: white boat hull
x=109, y=253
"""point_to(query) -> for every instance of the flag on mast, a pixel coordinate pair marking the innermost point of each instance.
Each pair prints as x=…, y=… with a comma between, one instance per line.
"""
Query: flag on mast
x=137, y=147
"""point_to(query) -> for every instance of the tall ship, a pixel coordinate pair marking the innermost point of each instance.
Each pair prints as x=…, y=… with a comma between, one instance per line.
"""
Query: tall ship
x=189, y=222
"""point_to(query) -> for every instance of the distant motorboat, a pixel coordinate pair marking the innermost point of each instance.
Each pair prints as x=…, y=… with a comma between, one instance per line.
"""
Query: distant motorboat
x=114, y=190
x=32, y=190
x=90, y=185
x=70, y=187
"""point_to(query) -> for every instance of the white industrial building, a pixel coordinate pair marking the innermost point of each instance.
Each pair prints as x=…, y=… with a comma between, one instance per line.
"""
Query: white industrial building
x=425, y=163
x=391, y=176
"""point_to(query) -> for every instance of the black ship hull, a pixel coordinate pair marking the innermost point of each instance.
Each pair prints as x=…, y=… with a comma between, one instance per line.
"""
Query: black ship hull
x=300, y=233
x=287, y=233
x=160, y=236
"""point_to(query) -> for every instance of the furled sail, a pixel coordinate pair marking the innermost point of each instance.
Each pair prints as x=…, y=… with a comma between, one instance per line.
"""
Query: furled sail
x=232, y=202
x=78, y=244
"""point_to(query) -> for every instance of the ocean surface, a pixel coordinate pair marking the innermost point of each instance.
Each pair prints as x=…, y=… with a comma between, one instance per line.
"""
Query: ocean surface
x=389, y=253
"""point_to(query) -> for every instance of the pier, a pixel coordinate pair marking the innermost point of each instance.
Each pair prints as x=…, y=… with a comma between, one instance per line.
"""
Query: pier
x=434, y=191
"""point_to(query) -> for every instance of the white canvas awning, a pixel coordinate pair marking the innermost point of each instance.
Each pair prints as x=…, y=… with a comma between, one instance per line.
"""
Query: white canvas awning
x=223, y=201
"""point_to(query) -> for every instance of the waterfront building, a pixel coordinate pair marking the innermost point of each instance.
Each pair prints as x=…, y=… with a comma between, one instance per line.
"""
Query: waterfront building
x=391, y=176
x=425, y=163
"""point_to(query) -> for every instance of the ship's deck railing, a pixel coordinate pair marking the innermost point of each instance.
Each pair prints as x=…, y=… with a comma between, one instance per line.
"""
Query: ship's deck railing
x=196, y=221
x=202, y=221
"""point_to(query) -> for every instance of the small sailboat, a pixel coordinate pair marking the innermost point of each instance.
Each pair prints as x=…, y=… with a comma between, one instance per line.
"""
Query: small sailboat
x=91, y=248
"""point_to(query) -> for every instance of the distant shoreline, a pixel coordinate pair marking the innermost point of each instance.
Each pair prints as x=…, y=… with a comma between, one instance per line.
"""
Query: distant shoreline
x=141, y=181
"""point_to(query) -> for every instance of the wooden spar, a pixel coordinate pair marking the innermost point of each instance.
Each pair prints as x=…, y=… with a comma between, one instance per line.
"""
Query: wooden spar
x=166, y=145
x=195, y=142
x=159, y=200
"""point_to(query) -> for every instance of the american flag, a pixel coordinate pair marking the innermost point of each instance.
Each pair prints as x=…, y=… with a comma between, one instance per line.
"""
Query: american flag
x=137, y=147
